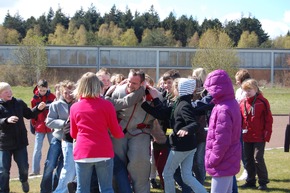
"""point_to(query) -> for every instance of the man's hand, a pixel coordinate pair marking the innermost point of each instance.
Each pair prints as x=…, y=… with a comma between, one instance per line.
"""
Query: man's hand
x=12, y=119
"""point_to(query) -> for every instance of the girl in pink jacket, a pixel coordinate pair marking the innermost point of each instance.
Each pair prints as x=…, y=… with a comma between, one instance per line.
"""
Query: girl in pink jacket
x=92, y=120
x=223, y=146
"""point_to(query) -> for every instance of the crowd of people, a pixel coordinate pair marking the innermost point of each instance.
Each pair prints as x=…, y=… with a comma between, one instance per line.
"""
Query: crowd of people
x=117, y=133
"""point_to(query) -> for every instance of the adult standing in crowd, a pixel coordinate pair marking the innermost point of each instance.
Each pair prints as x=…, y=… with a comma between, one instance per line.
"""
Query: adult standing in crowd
x=91, y=118
x=134, y=148
x=13, y=136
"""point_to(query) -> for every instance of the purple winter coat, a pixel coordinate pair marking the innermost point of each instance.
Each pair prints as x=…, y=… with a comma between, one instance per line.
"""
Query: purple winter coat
x=223, y=146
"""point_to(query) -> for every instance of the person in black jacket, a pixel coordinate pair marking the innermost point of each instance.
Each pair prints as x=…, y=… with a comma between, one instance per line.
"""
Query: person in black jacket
x=182, y=140
x=13, y=136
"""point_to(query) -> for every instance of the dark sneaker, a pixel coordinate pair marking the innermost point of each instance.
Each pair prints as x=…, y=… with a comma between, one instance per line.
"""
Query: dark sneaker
x=262, y=187
x=154, y=183
x=25, y=186
x=72, y=187
x=248, y=185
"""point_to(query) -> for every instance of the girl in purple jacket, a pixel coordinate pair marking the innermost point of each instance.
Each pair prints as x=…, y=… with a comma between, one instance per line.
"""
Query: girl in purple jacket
x=223, y=147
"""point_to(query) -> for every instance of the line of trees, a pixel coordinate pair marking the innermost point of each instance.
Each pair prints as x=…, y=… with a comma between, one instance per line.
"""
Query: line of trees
x=119, y=28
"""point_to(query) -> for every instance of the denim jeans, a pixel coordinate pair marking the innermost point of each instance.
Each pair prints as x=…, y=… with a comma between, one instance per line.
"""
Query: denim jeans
x=94, y=182
x=198, y=163
x=68, y=171
x=121, y=177
x=54, y=159
x=184, y=160
x=37, y=154
x=178, y=179
x=104, y=170
x=20, y=157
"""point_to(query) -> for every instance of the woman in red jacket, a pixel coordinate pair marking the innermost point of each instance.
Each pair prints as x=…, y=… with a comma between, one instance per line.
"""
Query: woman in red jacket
x=257, y=130
x=92, y=120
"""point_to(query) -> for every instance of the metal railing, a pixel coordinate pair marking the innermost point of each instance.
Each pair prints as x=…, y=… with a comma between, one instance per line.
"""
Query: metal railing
x=147, y=57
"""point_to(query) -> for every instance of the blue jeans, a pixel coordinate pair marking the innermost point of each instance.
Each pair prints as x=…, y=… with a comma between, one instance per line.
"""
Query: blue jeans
x=184, y=160
x=198, y=163
x=68, y=171
x=20, y=157
x=104, y=170
x=121, y=179
x=54, y=159
x=37, y=154
x=178, y=179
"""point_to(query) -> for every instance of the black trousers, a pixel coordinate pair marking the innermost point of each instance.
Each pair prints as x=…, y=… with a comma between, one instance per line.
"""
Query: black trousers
x=255, y=163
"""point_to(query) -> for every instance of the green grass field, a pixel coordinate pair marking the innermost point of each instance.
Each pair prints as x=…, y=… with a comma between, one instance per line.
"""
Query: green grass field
x=279, y=98
x=277, y=161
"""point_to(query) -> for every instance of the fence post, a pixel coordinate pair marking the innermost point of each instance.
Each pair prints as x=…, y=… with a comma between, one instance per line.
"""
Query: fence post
x=287, y=137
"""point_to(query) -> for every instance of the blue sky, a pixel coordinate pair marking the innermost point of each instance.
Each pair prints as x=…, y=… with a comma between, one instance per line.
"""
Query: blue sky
x=274, y=15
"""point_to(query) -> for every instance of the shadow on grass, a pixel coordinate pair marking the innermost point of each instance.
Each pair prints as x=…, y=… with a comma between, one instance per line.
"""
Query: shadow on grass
x=278, y=190
x=279, y=180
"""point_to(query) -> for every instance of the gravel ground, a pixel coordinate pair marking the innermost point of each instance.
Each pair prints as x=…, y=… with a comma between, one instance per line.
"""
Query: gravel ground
x=277, y=141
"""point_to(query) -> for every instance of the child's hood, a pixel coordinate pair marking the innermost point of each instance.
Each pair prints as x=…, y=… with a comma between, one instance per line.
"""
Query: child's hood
x=186, y=86
x=219, y=85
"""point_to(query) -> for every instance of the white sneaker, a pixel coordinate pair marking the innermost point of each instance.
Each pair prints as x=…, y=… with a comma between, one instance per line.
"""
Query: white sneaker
x=243, y=176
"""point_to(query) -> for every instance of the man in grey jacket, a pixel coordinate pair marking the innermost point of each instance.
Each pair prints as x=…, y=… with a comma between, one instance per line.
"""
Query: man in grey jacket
x=136, y=124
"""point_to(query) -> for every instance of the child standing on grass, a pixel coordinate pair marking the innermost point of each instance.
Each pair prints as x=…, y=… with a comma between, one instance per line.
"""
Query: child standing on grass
x=240, y=77
x=257, y=130
x=41, y=94
x=13, y=136
x=183, y=139
x=223, y=146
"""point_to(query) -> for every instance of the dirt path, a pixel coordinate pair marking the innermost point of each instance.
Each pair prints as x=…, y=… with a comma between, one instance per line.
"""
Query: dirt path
x=277, y=141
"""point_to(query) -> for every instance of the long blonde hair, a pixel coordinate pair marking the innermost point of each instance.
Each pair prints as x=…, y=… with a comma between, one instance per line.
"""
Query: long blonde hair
x=199, y=74
x=88, y=86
